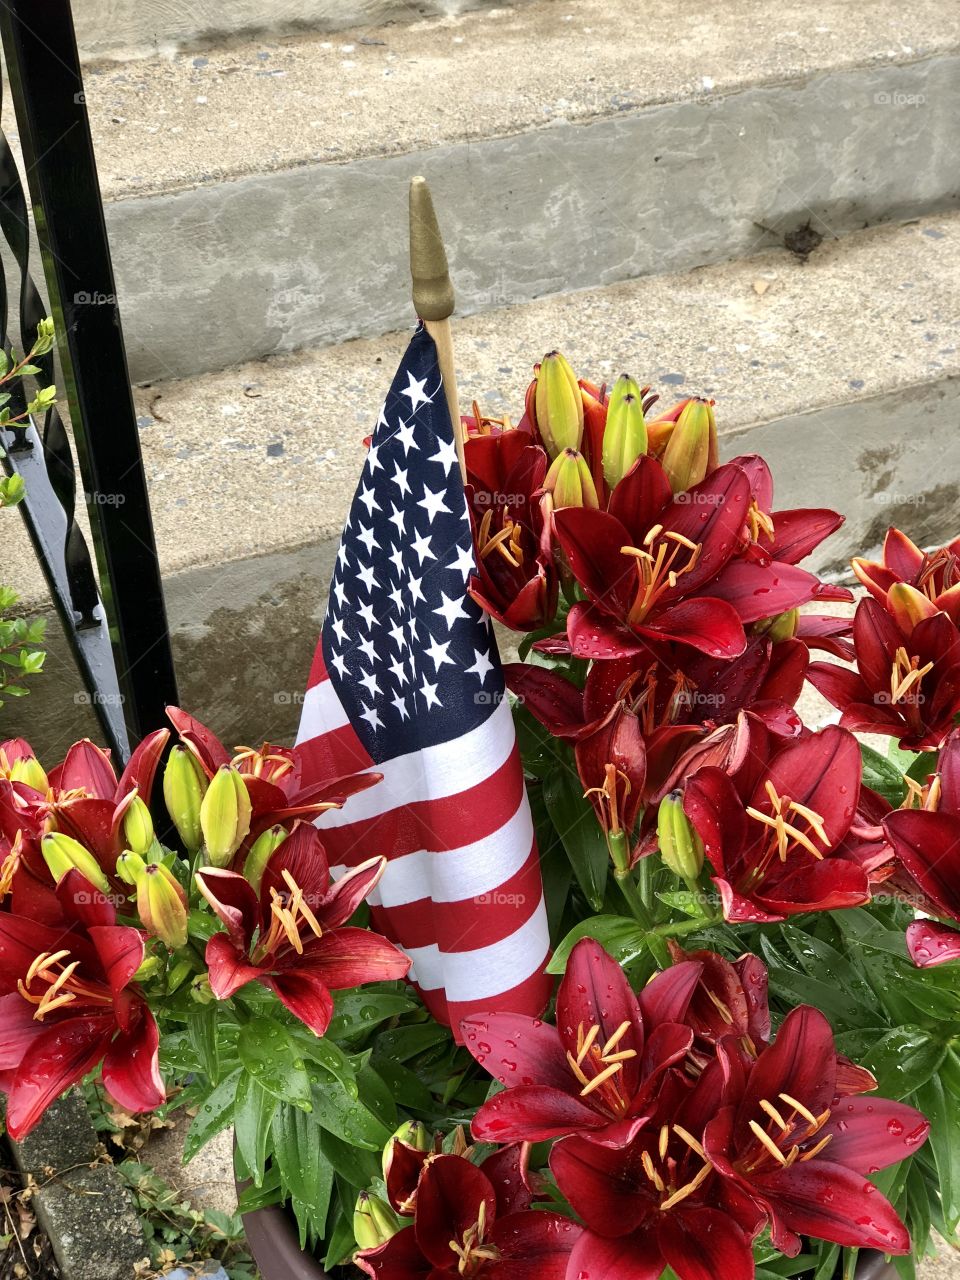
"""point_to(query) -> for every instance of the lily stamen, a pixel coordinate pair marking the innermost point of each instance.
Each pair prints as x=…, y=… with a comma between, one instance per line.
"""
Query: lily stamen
x=774, y=1114
x=689, y=1188
x=764, y=1138
x=689, y=1139
x=62, y=989
x=802, y=1110
x=650, y=1171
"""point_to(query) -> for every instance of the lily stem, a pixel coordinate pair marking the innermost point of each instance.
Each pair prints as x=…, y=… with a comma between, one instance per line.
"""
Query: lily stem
x=640, y=913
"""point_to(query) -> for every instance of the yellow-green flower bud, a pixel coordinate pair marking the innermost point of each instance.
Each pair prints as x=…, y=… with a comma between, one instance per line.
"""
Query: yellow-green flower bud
x=260, y=854
x=783, y=626
x=691, y=452
x=138, y=827
x=412, y=1133
x=162, y=905
x=374, y=1222
x=625, y=432
x=569, y=481
x=130, y=867
x=184, y=784
x=225, y=815
x=177, y=975
x=680, y=847
x=559, y=405
x=62, y=853
x=200, y=989
x=148, y=968
x=30, y=773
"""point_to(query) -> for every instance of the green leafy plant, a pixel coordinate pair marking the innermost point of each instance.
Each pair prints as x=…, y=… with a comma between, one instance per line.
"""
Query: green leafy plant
x=21, y=640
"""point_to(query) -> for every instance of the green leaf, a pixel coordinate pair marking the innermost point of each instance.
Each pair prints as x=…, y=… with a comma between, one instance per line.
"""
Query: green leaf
x=904, y=1060
x=358, y=1012
x=272, y=1058
x=305, y=1173
x=882, y=775
x=923, y=766
x=622, y=938
x=202, y=1026
x=215, y=1113
x=944, y=1141
x=347, y=1117
x=576, y=825
x=252, y=1117
x=356, y=1164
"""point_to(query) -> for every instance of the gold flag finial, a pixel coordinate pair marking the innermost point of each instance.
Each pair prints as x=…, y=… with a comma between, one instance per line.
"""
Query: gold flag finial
x=433, y=295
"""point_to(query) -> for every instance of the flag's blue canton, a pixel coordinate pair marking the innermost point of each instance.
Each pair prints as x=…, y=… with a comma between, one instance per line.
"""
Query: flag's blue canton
x=410, y=655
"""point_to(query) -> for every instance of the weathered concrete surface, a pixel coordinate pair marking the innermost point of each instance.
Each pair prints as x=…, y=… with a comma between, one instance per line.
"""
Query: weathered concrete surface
x=266, y=181
x=123, y=29
x=207, y=1181
x=844, y=372
x=268, y=104
x=84, y=1208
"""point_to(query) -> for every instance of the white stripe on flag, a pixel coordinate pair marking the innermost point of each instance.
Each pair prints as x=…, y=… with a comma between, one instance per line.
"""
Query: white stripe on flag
x=456, y=875
x=322, y=712
x=432, y=773
x=484, y=974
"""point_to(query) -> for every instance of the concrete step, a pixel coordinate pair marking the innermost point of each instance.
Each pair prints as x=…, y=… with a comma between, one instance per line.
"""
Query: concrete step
x=257, y=191
x=843, y=371
x=120, y=30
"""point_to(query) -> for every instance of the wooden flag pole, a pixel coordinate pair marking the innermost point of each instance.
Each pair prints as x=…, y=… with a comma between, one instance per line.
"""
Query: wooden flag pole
x=433, y=295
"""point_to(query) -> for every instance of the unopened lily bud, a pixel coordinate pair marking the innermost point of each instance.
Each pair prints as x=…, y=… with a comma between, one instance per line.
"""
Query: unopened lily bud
x=184, y=784
x=62, y=853
x=200, y=990
x=138, y=827
x=177, y=975
x=559, y=405
x=625, y=432
x=412, y=1133
x=30, y=772
x=569, y=481
x=908, y=606
x=148, y=968
x=374, y=1222
x=691, y=452
x=680, y=847
x=783, y=626
x=225, y=815
x=130, y=867
x=260, y=853
x=162, y=905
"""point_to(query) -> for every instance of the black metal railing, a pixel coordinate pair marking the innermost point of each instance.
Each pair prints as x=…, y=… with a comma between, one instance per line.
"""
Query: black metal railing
x=115, y=621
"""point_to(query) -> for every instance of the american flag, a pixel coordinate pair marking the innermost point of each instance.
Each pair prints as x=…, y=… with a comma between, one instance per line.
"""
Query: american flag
x=406, y=680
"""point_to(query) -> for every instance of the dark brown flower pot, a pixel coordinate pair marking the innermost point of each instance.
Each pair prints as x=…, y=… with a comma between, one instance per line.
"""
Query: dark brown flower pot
x=275, y=1245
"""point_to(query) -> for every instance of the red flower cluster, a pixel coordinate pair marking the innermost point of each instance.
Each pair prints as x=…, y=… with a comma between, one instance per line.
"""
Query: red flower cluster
x=926, y=842
x=685, y=1129
x=289, y=934
x=82, y=798
x=469, y=1220
x=907, y=643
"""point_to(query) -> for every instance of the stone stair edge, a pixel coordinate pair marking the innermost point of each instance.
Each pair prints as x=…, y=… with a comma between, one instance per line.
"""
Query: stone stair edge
x=467, y=76
x=275, y=445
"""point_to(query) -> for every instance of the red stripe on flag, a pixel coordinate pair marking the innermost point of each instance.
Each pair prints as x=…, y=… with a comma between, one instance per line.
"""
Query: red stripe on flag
x=436, y=825
x=533, y=993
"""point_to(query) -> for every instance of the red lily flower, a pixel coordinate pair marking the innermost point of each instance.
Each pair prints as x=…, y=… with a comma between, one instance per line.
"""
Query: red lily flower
x=926, y=843
x=289, y=936
x=598, y=1070
x=69, y=1002
x=659, y=567
x=272, y=775
x=774, y=834
x=935, y=573
x=83, y=799
x=907, y=683
x=516, y=581
x=802, y=1152
x=463, y=1227
x=658, y=1201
